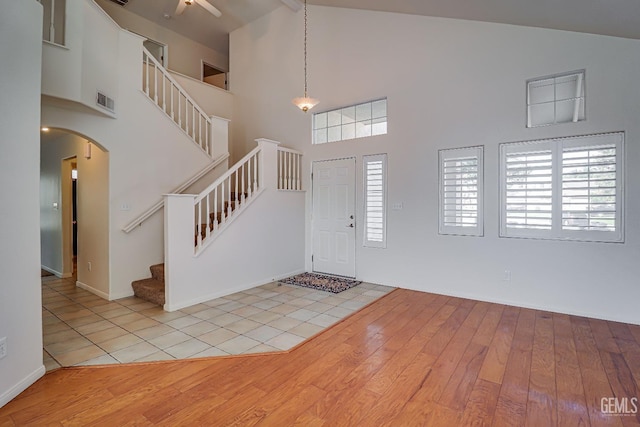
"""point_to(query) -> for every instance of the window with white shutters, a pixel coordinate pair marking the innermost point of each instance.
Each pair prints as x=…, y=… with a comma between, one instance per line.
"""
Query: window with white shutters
x=461, y=191
x=564, y=188
x=589, y=188
x=528, y=196
x=375, y=171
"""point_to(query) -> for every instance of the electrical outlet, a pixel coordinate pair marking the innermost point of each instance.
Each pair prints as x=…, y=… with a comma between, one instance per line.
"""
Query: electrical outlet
x=89, y=266
x=507, y=275
x=3, y=347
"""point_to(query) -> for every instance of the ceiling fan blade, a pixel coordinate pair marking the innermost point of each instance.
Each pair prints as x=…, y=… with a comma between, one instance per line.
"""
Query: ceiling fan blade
x=212, y=10
x=180, y=8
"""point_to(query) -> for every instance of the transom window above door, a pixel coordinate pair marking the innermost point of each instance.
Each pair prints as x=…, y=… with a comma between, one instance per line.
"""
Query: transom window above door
x=354, y=121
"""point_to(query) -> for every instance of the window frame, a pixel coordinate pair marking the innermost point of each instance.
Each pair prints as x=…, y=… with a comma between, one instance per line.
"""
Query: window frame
x=558, y=146
x=341, y=114
x=460, y=153
x=581, y=77
x=367, y=159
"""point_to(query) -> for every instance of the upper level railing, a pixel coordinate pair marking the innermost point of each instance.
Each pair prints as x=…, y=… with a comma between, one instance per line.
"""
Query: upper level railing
x=53, y=24
x=171, y=98
x=289, y=169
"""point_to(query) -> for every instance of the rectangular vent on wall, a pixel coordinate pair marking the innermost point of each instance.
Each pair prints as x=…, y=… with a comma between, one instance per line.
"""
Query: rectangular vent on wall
x=105, y=102
x=121, y=2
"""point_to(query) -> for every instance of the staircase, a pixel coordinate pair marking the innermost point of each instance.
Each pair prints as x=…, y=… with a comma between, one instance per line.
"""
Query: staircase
x=151, y=289
x=216, y=207
x=213, y=211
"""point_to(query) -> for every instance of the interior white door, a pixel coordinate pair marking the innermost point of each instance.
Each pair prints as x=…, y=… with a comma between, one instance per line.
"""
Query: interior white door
x=334, y=227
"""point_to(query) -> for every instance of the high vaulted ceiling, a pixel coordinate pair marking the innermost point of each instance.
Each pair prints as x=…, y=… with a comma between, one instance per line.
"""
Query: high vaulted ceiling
x=619, y=18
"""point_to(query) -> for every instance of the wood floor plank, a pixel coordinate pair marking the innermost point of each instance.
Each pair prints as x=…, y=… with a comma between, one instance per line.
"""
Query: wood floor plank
x=7, y=421
x=500, y=347
x=437, y=344
x=298, y=402
x=403, y=388
x=349, y=408
x=410, y=358
x=425, y=414
x=482, y=402
x=308, y=420
x=387, y=374
x=594, y=377
x=603, y=336
x=635, y=331
x=511, y=408
x=630, y=348
x=490, y=322
x=572, y=406
x=623, y=385
x=444, y=366
x=542, y=401
x=460, y=384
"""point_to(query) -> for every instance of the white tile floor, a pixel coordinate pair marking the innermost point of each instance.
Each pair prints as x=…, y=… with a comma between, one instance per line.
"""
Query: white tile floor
x=80, y=328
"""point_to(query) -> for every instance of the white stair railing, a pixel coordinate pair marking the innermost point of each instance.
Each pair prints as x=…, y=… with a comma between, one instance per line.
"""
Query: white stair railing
x=289, y=169
x=224, y=198
x=53, y=24
x=171, y=98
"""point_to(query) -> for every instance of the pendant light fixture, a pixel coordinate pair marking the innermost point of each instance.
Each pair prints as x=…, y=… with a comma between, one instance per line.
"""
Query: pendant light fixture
x=305, y=103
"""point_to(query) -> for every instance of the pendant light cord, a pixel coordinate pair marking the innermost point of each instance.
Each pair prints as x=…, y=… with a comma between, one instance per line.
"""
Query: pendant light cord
x=305, y=48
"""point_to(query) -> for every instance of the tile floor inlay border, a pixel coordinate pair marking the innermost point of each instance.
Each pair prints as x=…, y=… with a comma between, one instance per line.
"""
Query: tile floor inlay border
x=80, y=328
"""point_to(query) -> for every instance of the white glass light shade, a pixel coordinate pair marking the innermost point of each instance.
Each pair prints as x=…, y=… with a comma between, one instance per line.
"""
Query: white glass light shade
x=305, y=103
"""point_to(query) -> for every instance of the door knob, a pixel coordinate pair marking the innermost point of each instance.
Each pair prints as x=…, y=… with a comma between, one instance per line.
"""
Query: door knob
x=350, y=226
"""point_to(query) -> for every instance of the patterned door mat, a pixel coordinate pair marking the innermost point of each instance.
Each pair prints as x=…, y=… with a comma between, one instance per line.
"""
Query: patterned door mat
x=321, y=282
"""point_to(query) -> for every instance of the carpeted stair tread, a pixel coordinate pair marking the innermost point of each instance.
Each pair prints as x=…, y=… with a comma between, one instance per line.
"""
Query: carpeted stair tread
x=157, y=272
x=151, y=290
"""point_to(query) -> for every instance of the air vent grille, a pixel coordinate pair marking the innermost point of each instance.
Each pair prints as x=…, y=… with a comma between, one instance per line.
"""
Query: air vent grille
x=105, y=102
x=121, y=2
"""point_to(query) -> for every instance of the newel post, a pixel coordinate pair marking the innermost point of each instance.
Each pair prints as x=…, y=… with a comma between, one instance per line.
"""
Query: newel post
x=268, y=163
x=179, y=232
x=218, y=136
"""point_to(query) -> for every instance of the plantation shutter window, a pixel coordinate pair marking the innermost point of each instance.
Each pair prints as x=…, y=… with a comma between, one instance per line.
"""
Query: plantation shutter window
x=375, y=234
x=461, y=191
x=563, y=188
x=529, y=189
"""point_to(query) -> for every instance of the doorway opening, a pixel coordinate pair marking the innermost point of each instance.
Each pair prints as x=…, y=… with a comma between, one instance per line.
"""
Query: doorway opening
x=69, y=199
x=157, y=50
x=214, y=76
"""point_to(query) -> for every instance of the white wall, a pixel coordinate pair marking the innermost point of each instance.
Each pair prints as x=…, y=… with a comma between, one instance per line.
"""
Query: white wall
x=449, y=83
x=90, y=52
x=185, y=55
x=149, y=155
x=20, y=294
x=213, y=100
x=92, y=210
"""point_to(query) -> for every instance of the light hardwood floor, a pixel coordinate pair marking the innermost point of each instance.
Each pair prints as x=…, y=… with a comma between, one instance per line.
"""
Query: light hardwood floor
x=410, y=358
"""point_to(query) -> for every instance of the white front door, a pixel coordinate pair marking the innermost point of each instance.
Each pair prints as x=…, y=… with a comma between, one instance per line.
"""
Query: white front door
x=334, y=231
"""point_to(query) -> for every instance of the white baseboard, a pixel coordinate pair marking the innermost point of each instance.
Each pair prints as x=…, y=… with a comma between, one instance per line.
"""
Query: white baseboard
x=220, y=294
x=92, y=290
x=10, y=394
x=56, y=273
